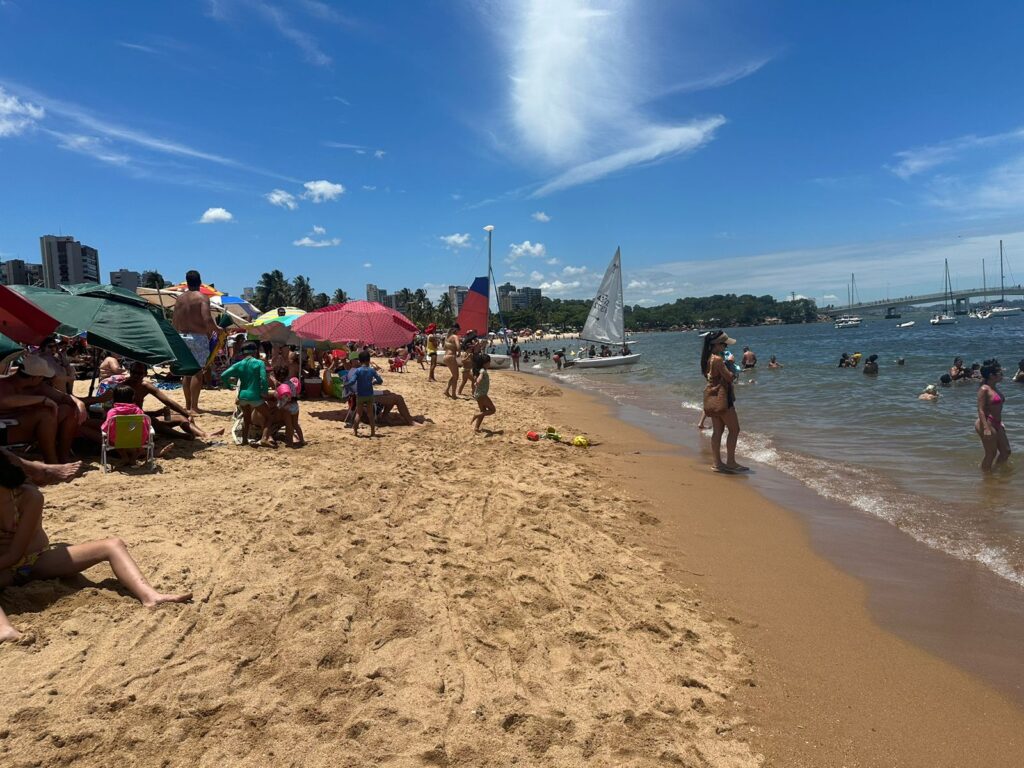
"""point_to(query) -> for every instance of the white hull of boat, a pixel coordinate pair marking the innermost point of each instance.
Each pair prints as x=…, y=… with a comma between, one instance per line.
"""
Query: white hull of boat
x=848, y=322
x=605, y=362
x=909, y=324
x=943, y=320
x=1005, y=312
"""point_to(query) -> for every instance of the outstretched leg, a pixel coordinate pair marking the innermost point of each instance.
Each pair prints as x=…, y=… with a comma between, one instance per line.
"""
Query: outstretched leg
x=67, y=561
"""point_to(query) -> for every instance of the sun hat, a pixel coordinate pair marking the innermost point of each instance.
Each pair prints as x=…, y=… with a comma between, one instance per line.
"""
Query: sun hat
x=35, y=365
x=716, y=338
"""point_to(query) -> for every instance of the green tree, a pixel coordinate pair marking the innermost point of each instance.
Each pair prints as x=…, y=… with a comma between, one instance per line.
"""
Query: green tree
x=273, y=291
x=153, y=279
x=321, y=300
x=339, y=297
x=405, y=300
x=302, y=293
x=445, y=314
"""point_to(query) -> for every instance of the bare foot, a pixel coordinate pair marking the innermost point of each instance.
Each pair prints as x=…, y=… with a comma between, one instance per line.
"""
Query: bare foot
x=738, y=468
x=46, y=474
x=216, y=433
x=9, y=634
x=160, y=599
x=268, y=443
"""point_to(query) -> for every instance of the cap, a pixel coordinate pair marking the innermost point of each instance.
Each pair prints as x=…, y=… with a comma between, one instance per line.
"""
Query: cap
x=34, y=365
x=721, y=337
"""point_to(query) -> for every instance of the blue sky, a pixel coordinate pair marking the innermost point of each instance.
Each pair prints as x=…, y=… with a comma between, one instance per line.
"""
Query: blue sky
x=769, y=147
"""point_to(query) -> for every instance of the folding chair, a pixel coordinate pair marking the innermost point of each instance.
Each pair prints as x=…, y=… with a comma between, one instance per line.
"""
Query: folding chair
x=129, y=433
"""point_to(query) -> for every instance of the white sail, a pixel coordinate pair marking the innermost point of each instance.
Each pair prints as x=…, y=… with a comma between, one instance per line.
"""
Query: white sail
x=606, y=322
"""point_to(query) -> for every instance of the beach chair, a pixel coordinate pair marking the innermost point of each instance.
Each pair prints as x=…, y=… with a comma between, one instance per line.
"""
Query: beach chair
x=129, y=433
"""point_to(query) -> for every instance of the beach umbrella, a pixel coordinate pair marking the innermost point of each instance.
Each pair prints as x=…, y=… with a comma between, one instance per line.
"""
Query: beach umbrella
x=21, y=320
x=159, y=297
x=236, y=306
x=115, y=320
x=275, y=326
x=363, y=322
x=206, y=290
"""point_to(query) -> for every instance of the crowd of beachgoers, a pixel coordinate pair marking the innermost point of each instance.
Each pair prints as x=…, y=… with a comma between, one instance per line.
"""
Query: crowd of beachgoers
x=45, y=426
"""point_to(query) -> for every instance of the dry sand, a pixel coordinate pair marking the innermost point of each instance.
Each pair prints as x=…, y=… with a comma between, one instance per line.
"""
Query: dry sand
x=431, y=597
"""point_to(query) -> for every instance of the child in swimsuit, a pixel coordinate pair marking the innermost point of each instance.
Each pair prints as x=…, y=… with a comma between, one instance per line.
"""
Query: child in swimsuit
x=287, y=392
x=124, y=405
x=481, y=390
x=26, y=553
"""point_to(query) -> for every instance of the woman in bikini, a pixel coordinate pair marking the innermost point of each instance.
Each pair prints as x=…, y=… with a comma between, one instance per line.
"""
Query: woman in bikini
x=989, y=424
x=26, y=553
x=715, y=370
x=451, y=360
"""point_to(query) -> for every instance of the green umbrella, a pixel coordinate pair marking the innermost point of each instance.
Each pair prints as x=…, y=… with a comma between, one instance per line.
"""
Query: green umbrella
x=115, y=320
x=8, y=346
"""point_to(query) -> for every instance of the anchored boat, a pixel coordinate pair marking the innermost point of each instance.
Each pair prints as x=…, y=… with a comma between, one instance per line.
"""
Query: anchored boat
x=606, y=323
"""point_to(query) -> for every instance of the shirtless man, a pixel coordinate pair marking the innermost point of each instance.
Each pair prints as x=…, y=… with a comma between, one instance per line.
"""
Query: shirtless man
x=194, y=321
x=172, y=416
x=44, y=415
x=749, y=359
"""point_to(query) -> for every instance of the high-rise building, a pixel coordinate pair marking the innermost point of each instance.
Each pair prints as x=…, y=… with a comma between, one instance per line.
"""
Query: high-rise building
x=457, y=295
x=249, y=294
x=506, y=289
x=373, y=293
x=17, y=272
x=522, y=298
x=530, y=296
x=66, y=261
x=128, y=279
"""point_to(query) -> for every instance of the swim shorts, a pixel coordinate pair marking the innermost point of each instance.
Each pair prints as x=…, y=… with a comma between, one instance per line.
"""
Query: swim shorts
x=198, y=345
x=250, y=403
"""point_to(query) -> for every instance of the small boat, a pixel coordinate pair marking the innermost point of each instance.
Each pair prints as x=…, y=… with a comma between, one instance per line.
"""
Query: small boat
x=606, y=323
x=1001, y=310
x=848, y=321
x=943, y=317
x=1004, y=311
x=908, y=324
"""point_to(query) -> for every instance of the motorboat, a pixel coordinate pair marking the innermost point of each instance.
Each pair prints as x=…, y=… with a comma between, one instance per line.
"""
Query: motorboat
x=908, y=324
x=943, y=319
x=1004, y=311
x=848, y=321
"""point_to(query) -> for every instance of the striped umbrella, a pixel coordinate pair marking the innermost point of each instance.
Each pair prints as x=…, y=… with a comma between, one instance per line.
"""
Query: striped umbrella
x=206, y=290
x=362, y=322
x=276, y=325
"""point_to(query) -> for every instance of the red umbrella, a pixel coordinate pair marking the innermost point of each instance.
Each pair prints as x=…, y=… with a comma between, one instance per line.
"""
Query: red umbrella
x=22, y=320
x=364, y=322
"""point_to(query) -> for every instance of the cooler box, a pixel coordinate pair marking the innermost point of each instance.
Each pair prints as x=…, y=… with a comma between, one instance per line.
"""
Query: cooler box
x=311, y=389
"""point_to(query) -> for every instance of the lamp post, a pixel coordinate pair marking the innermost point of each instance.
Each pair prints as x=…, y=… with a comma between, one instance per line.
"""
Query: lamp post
x=489, y=229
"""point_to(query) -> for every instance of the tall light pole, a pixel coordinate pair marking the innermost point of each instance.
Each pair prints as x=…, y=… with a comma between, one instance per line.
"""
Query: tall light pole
x=489, y=229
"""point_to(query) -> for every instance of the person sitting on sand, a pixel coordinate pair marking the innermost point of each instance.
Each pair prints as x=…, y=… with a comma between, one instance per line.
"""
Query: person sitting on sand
x=931, y=394
x=172, y=420
x=251, y=375
x=773, y=364
x=52, y=349
x=40, y=413
x=124, y=405
x=27, y=555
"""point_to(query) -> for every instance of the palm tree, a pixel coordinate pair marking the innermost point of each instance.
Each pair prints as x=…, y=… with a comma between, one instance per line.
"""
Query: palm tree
x=445, y=313
x=302, y=293
x=404, y=301
x=153, y=279
x=321, y=300
x=273, y=290
x=339, y=297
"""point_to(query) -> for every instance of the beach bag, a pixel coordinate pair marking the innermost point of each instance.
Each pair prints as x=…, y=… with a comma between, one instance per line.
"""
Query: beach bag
x=716, y=397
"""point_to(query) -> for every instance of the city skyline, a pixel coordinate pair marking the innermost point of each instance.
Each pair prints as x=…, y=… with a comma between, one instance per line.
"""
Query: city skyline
x=734, y=148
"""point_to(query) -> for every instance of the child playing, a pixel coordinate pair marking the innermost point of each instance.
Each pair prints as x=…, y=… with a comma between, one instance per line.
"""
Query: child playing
x=287, y=390
x=364, y=378
x=26, y=553
x=251, y=374
x=481, y=389
x=124, y=405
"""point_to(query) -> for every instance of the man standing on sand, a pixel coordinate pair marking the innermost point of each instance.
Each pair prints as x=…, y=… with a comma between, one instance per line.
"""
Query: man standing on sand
x=194, y=321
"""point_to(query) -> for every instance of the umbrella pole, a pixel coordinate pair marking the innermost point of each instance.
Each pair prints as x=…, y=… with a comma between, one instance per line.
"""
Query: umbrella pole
x=95, y=369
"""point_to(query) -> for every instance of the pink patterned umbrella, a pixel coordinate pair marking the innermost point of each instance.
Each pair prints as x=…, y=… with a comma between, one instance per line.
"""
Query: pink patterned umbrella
x=364, y=322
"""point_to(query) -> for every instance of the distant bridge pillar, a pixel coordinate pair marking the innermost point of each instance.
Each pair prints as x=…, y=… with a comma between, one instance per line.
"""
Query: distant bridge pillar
x=961, y=305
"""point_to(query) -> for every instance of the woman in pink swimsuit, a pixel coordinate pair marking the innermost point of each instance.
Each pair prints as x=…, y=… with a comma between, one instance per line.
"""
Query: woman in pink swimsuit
x=989, y=424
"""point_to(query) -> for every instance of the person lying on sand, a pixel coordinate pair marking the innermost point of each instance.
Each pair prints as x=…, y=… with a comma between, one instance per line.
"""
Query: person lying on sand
x=26, y=553
x=170, y=421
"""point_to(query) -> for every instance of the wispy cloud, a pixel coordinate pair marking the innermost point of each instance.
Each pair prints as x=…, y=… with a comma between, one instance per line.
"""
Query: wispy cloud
x=309, y=242
x=139, y=47
x=91, y=146
x=342, y=145
x=282, y=199
x=340, y=100
x=911, y=162
x=379, y=154
x=456, y=241
x=17, y=116
x=577, y=90
x=540, y=216
x=226, y=10
x=216, y=216
x=719, y=79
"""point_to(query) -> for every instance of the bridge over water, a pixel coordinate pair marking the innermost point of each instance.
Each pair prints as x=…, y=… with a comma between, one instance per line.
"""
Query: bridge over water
x=961, y=300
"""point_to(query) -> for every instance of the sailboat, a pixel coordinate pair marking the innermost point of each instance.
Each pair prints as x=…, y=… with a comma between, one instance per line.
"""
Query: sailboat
x=849, y=320
x=475, y=315
x=1002, y=310
x=606, y=323
x=944, y=318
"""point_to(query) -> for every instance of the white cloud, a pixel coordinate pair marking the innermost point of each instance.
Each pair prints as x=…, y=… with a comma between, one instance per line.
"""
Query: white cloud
x=830, y=297
x=282, y=199
x=343, y=145
x=536, y=276
x=91, y=146
x=321, y=191
x=367, y=264
x=216, y=216
x=558, y=287
x=318, y=230
x=369, y=188
x=525, y=248
x=540, y=216
x=308, y=242
x=719, y=79
x=456, y=241
x=379, y=154
x=577, y=87
x=552, y=262
x=911, y=162
x=573, y=271
x=16, y=116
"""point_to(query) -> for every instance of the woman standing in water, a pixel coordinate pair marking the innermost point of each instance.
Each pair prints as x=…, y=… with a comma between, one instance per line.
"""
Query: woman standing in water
x=451, y=360
x=722, y=412
x=989, y=425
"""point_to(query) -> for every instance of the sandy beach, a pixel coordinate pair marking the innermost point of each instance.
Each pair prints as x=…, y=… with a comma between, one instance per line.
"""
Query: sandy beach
x=431, y=597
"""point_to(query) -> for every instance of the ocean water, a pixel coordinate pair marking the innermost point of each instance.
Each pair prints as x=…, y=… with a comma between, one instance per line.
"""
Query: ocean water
x=866, y=441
